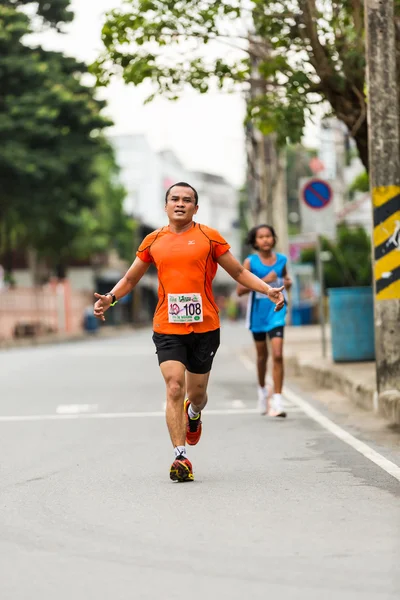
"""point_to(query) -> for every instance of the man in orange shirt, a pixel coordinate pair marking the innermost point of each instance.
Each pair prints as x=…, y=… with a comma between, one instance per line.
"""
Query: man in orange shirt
x=186, y=321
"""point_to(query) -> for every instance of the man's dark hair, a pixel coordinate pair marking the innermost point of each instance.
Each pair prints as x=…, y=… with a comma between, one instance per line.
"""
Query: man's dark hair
x=251, y=236
x=182, y=184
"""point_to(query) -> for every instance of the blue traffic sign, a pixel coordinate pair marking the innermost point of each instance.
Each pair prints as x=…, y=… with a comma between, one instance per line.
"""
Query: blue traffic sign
x=317, y=194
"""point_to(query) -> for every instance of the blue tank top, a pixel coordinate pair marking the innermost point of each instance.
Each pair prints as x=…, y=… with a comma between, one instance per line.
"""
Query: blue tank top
x=261, y=315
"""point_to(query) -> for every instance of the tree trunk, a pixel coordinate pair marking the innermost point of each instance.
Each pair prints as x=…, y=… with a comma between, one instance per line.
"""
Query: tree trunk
x=361, y=140
x=385, y=187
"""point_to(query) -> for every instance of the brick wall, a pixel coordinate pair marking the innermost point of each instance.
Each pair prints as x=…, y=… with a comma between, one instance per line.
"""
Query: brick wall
x=52, y=308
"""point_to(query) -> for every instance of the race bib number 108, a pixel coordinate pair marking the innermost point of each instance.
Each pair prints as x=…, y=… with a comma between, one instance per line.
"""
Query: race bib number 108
x=185, y=308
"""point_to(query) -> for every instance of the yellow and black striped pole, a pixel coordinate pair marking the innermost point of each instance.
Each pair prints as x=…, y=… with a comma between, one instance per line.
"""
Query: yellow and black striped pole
x=386, y=201
x=384, y=172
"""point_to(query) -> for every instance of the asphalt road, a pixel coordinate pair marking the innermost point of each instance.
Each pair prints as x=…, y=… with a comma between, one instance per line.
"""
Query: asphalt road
x=279, y=509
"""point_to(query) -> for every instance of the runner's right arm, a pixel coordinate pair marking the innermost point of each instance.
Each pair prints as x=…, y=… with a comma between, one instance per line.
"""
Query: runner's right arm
x=247, y=279
x=241, y=290
x=122, y=288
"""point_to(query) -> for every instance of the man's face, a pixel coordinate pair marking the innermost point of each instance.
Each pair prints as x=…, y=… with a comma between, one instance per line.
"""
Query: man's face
x=181, y=205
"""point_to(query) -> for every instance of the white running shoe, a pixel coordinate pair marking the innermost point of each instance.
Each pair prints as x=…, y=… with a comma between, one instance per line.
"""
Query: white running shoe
x=262, y=403
x=276, y=407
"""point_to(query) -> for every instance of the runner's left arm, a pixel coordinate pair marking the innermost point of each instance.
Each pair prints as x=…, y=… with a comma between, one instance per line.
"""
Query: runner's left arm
x=240, y=274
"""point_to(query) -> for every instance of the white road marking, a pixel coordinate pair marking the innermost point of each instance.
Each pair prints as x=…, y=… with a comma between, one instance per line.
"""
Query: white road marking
x=123, y=415
x=361, y=447
x=70, y=409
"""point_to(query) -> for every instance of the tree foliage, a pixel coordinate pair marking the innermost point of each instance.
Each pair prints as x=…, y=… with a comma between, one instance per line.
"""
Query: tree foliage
x=360, y=184
x=350, y=263
x=291, y=55
x=105, y=226
x=50, y=137
x=52, y=13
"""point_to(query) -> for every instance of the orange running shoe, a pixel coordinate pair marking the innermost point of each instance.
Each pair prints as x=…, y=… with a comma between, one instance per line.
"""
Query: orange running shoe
x=194, y=427
x=181, y=469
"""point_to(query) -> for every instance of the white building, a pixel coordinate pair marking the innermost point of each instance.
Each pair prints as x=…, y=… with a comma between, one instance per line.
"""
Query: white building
x=332, y=152
x=147, y=175
x=218, y=206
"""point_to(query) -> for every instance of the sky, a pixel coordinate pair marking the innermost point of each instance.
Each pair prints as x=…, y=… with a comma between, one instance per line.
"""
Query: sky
x=205, y=131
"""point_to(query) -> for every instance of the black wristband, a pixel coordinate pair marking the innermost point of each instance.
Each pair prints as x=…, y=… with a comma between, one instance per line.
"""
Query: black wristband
x=113, y=298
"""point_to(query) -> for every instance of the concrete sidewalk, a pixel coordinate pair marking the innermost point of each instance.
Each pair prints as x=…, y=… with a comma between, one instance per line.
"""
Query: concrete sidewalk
x=355, y=380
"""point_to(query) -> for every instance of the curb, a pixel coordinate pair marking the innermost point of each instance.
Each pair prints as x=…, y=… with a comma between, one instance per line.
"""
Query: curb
x=360, y=394
x=387, y=404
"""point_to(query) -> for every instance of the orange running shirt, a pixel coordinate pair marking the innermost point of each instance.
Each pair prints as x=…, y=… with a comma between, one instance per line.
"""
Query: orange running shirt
x=186, y=264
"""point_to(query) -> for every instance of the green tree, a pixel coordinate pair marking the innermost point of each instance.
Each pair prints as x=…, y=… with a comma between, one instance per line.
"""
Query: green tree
x=105, y=226
x=360, y=184
x=350, y=262
x=53, y=13
x=302, y=53
x=50, y=134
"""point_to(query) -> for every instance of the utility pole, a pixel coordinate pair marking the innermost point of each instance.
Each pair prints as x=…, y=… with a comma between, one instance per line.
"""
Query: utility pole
x=281, y=204
x=266, y=163
x=384, y=160
x=273, y=168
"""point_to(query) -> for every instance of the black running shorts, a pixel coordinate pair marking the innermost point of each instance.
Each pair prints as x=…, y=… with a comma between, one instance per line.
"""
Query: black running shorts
x=195, y=350
x=261, y=336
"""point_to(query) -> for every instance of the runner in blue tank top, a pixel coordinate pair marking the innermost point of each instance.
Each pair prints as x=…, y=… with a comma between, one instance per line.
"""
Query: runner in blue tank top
x=262, y=319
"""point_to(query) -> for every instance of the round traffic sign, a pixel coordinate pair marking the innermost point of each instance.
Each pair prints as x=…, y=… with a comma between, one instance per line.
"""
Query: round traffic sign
x=317, y=194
